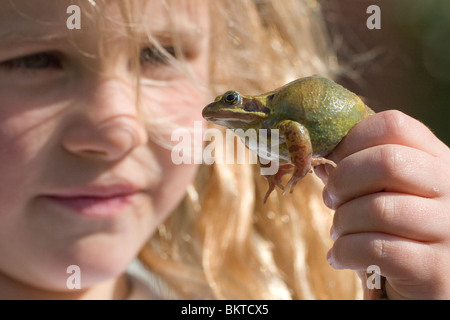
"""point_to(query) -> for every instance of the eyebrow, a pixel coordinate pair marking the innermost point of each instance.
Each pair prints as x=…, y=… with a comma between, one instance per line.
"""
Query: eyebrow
x=187, y=33
x=15, y=37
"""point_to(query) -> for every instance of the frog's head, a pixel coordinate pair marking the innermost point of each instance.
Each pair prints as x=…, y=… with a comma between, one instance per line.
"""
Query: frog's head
x=233, y=110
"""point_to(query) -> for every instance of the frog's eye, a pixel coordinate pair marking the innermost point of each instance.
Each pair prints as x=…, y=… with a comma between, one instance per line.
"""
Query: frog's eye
x=231, y=97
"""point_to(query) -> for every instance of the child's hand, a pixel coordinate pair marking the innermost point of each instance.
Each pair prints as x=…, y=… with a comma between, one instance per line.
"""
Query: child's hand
x=391, y=193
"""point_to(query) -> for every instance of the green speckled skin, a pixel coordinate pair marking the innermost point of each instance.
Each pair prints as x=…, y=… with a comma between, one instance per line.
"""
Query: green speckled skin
x=312, y=114
x=324, y=107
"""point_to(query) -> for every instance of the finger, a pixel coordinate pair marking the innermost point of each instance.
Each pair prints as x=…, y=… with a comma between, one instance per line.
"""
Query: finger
x=406, y=216
x=391, y=168
x=321, y=173
x=389, y=127
x=396, y=257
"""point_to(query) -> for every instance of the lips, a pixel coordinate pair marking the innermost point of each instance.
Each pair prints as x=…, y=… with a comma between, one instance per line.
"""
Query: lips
x=96, y=201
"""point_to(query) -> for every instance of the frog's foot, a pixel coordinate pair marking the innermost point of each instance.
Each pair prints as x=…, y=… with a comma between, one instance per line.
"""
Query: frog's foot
x=275, y=180
x=272, y=185
x=296, y=176
x=300, y=173
x=317, y=161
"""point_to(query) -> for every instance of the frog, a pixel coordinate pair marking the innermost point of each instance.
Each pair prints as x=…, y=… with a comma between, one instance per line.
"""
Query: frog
x=312, y=115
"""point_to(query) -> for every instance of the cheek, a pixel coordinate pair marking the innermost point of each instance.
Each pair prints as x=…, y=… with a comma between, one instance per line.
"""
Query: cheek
x=181, y=107
x=23, y=139
x=173, y=189
x=173, y=182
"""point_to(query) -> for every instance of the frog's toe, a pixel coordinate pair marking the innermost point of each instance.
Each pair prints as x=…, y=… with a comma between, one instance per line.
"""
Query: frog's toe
x=274, y=181
x=291, y=184
x=296, y=177
x=271, y=188
x=279, y=184
x=317, y=161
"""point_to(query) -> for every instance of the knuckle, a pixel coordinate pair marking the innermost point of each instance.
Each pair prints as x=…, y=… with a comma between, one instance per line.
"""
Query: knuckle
x=379, y=249
x=385, y=208
x=390, y=160
x=396, y=124
x=403, y=259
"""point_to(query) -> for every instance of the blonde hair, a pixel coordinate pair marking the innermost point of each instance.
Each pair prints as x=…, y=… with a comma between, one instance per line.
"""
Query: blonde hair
x=222, y=242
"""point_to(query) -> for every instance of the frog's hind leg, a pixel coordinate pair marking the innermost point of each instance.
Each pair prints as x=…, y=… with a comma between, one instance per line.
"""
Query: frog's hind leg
x=298, y=144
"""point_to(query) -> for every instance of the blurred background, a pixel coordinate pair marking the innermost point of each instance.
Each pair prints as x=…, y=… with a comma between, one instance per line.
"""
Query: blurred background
x=405, y=65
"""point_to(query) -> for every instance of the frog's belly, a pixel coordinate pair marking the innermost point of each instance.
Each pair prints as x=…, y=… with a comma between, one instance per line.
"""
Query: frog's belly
x=270, y=149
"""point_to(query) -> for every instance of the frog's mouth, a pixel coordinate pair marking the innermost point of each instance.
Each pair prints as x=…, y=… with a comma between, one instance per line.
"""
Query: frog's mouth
x=235, y=115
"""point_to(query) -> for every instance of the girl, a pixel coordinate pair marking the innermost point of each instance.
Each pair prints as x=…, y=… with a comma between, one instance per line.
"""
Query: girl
x=86, y=118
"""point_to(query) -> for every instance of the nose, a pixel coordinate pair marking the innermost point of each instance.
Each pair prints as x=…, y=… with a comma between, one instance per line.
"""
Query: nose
x=106, y=125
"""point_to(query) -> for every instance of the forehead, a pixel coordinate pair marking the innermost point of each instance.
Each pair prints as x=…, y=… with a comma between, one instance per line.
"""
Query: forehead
x=30, y=19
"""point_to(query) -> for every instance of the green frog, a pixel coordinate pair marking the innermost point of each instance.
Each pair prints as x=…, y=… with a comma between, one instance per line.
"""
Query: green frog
x=312, y=116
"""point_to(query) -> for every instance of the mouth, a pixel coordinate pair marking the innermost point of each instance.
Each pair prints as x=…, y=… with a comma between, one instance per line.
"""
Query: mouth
x=96, y=201
x=231, y=116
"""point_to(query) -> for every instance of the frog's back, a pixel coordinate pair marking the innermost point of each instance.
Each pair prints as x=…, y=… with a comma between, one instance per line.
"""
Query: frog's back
x=324, y=107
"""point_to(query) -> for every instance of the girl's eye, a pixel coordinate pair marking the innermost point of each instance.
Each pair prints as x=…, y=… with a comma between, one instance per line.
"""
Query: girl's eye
x=38, y=61
x=155, y=56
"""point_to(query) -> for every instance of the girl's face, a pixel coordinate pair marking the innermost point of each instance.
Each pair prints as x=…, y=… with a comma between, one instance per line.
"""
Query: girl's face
x=82, y=181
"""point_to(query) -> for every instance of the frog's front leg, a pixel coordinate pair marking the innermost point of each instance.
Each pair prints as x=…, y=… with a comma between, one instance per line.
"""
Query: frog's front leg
x=298, y=144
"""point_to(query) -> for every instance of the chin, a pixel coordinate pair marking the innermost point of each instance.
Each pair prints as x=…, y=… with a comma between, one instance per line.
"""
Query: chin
x=88, y=263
